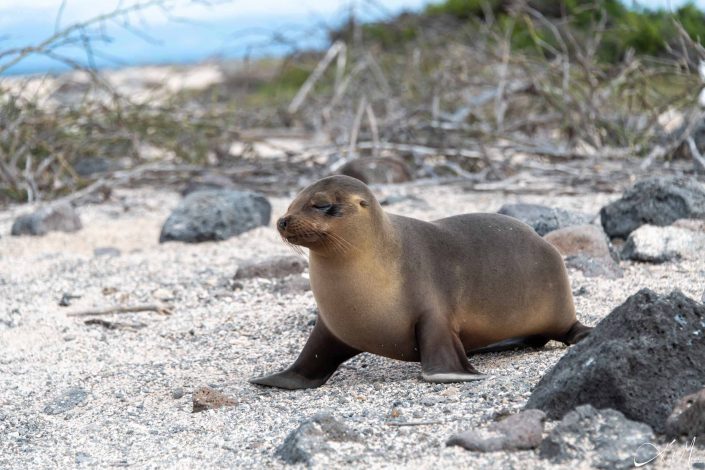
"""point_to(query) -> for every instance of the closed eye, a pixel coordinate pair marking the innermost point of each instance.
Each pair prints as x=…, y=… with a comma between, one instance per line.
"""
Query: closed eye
x=333, y=210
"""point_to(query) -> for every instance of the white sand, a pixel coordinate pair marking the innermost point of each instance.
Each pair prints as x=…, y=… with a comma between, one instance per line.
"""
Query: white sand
x=222, y=337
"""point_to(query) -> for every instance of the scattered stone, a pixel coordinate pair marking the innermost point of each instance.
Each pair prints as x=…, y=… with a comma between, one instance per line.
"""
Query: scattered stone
x=106, y=251
x=688, y=416
x=177, y=393
x=114, y=325
x=163, y=294
x=382, y=170
x=587, y=240
x=604, y=438
x=595, y=267
x=11, y=319
x=521, y=431
x=296, y=284
x=59, y=217
x=206, y=398
x=587, y=249
x=639, y=360
x=90, y=166
x=694, y=225
x=68, y=400
x=544, y=219
x=208, y=182
x=660, y=200
x=399, y=198
x=66, y=299
x=582, y=290
x=312, y=437
x=275, y=267
x=215, y=215
x=654, y=244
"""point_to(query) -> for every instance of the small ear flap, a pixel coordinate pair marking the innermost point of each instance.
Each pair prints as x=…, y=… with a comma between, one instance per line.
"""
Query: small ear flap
x=364, y=203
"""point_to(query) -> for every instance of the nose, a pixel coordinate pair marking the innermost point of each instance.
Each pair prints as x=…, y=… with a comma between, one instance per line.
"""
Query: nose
x=282, y=223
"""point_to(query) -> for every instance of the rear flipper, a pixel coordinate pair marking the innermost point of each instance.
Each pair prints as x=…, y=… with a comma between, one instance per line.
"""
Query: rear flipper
x=533, y=341
x=575, y=334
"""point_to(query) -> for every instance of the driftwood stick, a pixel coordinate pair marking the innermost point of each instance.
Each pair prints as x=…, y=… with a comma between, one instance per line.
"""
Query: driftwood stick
x=413, y=423
x=159, y=308
x=317, y=73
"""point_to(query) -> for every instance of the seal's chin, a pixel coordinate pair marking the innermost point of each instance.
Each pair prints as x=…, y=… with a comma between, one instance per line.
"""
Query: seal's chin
x=307, y=241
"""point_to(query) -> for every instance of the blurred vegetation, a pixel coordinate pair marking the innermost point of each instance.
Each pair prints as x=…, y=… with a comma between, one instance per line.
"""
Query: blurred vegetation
x=460, y=74
x=646, y=31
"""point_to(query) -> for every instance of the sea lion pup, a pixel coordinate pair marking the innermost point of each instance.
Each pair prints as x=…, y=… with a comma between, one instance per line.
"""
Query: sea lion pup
x=419, y=291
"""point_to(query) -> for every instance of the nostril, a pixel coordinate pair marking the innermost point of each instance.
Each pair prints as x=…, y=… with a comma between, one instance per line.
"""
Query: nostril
x=281, y=223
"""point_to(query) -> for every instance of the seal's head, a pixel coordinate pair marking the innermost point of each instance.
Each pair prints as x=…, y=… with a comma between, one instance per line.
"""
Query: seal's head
x=331, y=216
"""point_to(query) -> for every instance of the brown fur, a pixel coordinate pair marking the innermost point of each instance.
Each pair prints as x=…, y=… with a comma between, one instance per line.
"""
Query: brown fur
x=422, y=291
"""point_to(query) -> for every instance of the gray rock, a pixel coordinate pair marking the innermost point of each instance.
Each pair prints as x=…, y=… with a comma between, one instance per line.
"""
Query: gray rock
x=587, y=249
x=312, y=437
x=659, y=244
x=177, y=393
x=521, y=431
x=59, y=217
x=295, y=284
x=92, y=165
x=639, y=360
x=587, y=240
x=215, y=215
x=275, y=267
x=595, y=267
x=657, y=201
x=604, y=438
x=544, y=219
x=106, y=251
x=68, y=400
x=688, y=416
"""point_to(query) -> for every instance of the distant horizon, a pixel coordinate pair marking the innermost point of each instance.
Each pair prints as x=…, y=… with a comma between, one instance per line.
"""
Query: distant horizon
x=230, y=30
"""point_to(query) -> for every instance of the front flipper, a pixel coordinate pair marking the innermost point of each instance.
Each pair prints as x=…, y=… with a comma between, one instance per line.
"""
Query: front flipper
x=443, y=357
x=321, y=356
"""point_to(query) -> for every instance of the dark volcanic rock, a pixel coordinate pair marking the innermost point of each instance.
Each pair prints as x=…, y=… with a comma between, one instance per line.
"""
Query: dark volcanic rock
x=312, y=437
x=604, y=438
x=57, y=217
x=275, y=267
x=643, y=357
x=378, y=170
x=523, y=430
x=544, y=219
x=656, y=201
x=215, y=215
x=68, y=400
x=688, y=416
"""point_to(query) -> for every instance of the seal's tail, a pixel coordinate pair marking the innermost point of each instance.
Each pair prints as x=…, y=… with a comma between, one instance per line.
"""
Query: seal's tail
x=576, y=333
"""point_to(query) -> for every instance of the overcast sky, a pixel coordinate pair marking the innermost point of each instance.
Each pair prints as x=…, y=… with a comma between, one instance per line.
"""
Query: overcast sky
x=227, y=28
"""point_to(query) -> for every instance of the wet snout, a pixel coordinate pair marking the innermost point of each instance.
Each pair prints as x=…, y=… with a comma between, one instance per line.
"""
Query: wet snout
x=282, y=223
